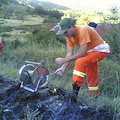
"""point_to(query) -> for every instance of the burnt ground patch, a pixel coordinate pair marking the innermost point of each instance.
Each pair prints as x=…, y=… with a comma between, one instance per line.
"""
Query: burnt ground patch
x=19, y=104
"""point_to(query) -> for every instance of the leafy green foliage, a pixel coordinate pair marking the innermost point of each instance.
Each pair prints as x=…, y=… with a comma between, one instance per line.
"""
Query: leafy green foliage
x=3, y=2
x=45, y=4
x=17, y=10
x=109, y=79
x=16, y=43
x=114, y=14
x=52, y=13
x=51, y=19
x=20, y=11
x=113, y=38
x=44, y=37
x=6, y=29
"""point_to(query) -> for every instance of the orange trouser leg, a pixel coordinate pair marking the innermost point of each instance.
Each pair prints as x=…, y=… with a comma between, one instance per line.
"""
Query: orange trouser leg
x=92, y=79
x=88, y=66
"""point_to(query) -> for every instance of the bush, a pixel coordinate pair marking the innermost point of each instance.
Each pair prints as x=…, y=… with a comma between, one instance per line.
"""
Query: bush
x=16, y=43
x=6, y=29
x=45, y=37
x=113, y=38
x=109, y=78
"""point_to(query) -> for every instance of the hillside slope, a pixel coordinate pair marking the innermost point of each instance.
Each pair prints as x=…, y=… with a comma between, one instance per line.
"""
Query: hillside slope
x=45, y=4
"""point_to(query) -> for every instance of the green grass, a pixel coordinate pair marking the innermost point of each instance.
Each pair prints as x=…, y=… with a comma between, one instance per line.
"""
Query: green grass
x=19, y=48
x=30, y=20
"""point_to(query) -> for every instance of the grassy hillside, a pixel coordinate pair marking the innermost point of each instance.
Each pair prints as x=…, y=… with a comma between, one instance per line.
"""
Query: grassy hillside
x=45, y=4
x=49, y=5
x=44, y=47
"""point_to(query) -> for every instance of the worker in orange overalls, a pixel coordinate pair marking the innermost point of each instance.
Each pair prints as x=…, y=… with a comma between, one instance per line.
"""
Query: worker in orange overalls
x=1, y=45
x=92, y=50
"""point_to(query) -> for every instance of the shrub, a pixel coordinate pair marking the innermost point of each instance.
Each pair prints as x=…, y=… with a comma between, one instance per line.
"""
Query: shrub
x=6, y=29
x=113, y=38
x=45, y=37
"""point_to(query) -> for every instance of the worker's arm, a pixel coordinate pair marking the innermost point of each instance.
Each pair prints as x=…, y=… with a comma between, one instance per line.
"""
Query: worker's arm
x=82, y=52
x=62, y=69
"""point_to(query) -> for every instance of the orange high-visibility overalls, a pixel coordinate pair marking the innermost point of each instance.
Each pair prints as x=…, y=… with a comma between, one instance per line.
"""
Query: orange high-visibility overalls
x=1, y=45
x=88, y=66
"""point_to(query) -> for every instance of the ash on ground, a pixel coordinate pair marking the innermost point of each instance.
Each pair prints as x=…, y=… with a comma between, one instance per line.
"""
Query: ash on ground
x=19, y=104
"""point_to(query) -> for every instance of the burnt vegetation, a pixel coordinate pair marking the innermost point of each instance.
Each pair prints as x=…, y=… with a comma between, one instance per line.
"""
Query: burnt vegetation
x=17, y=103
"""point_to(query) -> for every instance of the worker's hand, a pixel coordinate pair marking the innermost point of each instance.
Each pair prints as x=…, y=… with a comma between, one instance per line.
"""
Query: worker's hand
x=59, y=61
x=59, y=71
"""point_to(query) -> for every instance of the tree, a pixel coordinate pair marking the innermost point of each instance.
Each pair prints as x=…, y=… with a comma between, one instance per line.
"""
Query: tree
x=2, y=3
x=9, y=11
x=55, y=13
x=39, y=10
x=114, y=14
x=20, y=12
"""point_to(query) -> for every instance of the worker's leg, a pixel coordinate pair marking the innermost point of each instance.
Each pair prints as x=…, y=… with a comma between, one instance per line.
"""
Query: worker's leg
x=92, y=79
x=92, y=72
x=79, y=71
x=83, y=64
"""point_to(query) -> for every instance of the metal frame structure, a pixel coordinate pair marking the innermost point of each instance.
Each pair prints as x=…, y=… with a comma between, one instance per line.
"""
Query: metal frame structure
x=29, y=70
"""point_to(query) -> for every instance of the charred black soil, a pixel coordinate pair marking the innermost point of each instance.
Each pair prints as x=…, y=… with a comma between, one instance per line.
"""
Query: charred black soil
x=19, y=104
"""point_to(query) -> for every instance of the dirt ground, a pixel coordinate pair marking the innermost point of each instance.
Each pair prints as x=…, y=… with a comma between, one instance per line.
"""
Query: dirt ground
x=19, y=104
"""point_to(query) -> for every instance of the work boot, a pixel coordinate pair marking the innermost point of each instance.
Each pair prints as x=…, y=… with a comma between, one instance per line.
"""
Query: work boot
x=74, y=93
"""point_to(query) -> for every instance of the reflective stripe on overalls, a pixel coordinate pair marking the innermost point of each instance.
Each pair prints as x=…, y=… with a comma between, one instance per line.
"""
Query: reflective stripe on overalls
x=93, y=88
x=81, y=74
